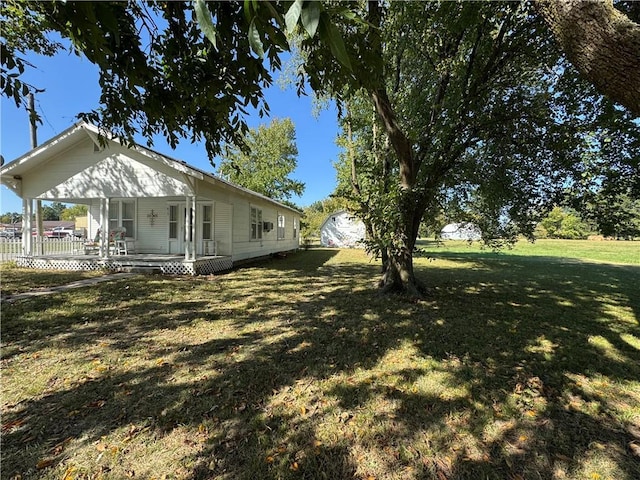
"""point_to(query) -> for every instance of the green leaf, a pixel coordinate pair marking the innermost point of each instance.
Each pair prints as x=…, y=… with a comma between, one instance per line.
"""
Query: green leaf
x=331, y=36
x=311, y=17
x=203, y=16
x=274, y=13
x=254, y=39
x=247, y=9
x=292, y=15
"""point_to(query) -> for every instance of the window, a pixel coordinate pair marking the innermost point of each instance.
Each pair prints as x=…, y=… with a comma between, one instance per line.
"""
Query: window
x=280, y=227
x=207, y=222
x=173, y=222
x=295, y=228
x=256, y=223
x=122, y=213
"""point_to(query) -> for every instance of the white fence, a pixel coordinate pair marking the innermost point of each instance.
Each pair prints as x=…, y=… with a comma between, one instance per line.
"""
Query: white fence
x=12, y=248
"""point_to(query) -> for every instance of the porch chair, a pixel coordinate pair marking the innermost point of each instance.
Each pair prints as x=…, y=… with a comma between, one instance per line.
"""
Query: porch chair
x=92, y=246
x=118, y=242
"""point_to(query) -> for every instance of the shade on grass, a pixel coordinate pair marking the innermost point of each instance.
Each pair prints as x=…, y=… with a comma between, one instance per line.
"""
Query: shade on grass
x=515, y=366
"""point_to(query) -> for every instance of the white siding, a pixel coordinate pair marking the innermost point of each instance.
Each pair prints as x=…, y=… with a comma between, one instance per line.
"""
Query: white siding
x=222, y=228
x=244, y=247
x=152, y=237
x=113, y=172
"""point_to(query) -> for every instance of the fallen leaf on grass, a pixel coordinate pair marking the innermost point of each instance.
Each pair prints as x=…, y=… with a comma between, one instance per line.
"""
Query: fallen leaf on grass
x=68, y=474
x=56, y=450
x=45, y=463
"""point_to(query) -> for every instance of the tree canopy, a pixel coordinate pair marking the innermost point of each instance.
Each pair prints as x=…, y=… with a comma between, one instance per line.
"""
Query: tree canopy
x=485, y=118
x=265, y=160
x=176, y=69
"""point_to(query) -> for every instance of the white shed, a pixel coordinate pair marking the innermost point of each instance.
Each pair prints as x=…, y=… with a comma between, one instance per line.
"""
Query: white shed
x=342, y=230
x=461, y=231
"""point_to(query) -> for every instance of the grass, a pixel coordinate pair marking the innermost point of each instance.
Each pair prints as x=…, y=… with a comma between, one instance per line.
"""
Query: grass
x=585, y=250
x=16, y=280
x=516, y=366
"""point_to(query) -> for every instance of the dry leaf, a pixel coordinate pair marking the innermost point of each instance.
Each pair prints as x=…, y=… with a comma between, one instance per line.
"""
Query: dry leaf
x=68, y=475
x=42, y=464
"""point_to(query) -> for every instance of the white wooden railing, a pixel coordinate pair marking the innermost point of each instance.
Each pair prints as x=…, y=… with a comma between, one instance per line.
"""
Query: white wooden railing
x=12, y=248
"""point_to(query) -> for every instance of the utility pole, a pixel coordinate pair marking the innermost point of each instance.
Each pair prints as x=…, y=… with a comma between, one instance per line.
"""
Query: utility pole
x=34, y=143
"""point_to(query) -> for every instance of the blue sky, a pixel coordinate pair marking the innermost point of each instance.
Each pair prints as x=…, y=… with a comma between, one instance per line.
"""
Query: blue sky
x=71, y=86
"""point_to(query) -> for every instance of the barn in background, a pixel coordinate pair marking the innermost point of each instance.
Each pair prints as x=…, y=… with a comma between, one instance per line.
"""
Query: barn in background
x=460, y=231
x=342, y=230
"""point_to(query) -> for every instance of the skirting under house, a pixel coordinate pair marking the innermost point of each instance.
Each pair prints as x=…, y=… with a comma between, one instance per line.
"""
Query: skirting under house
x=170, y=265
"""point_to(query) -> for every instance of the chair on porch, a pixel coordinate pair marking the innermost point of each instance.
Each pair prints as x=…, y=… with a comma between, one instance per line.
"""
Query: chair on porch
x=93, y=246
x=118, y=242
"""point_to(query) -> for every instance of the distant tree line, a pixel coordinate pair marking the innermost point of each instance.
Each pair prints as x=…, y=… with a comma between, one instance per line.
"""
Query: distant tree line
x=52, y=212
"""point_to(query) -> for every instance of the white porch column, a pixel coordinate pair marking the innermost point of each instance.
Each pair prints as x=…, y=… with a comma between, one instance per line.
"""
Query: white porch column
x=187, y=228
x=193, y=228
x=104, y=227
x=27, y=225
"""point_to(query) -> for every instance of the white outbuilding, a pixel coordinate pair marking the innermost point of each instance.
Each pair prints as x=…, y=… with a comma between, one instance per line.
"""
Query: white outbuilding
x=460, y=231
x=342, y=230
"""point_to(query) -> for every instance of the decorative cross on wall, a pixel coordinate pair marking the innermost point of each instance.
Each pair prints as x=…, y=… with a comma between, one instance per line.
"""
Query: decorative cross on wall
x=152, y=216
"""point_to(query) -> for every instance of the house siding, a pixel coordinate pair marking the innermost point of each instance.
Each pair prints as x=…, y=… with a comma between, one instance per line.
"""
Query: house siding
x=245, y=248
x=112, y=172
x=152, y=238
x=223, y=227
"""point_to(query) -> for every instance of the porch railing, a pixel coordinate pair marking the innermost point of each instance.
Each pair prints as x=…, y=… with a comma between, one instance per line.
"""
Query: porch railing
x=12, y=248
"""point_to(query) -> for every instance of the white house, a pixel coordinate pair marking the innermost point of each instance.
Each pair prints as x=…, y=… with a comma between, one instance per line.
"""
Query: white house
x=461, y=231
x=186, y=219
x=342, y=230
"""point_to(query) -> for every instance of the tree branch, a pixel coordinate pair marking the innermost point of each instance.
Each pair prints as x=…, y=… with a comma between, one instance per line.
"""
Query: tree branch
x=601, y=42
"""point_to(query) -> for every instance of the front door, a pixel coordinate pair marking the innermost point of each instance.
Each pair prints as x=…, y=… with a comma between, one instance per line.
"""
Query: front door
x=203, y=244
x=177, y=227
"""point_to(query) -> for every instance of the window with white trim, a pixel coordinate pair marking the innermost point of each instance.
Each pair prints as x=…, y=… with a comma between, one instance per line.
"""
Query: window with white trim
x=207, y=222
x=173, y=222
x=280, y=227
x=122, y=213
x=256, y=223
x=295, y=228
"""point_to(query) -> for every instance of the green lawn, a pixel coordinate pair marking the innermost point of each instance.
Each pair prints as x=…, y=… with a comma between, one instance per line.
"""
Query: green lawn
x=516, y=366
x=585, y=250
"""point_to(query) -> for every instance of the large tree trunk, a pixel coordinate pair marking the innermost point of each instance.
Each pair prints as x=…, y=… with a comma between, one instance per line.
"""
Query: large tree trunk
x=397, y=269
x=601, y=42
x=397, y=272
